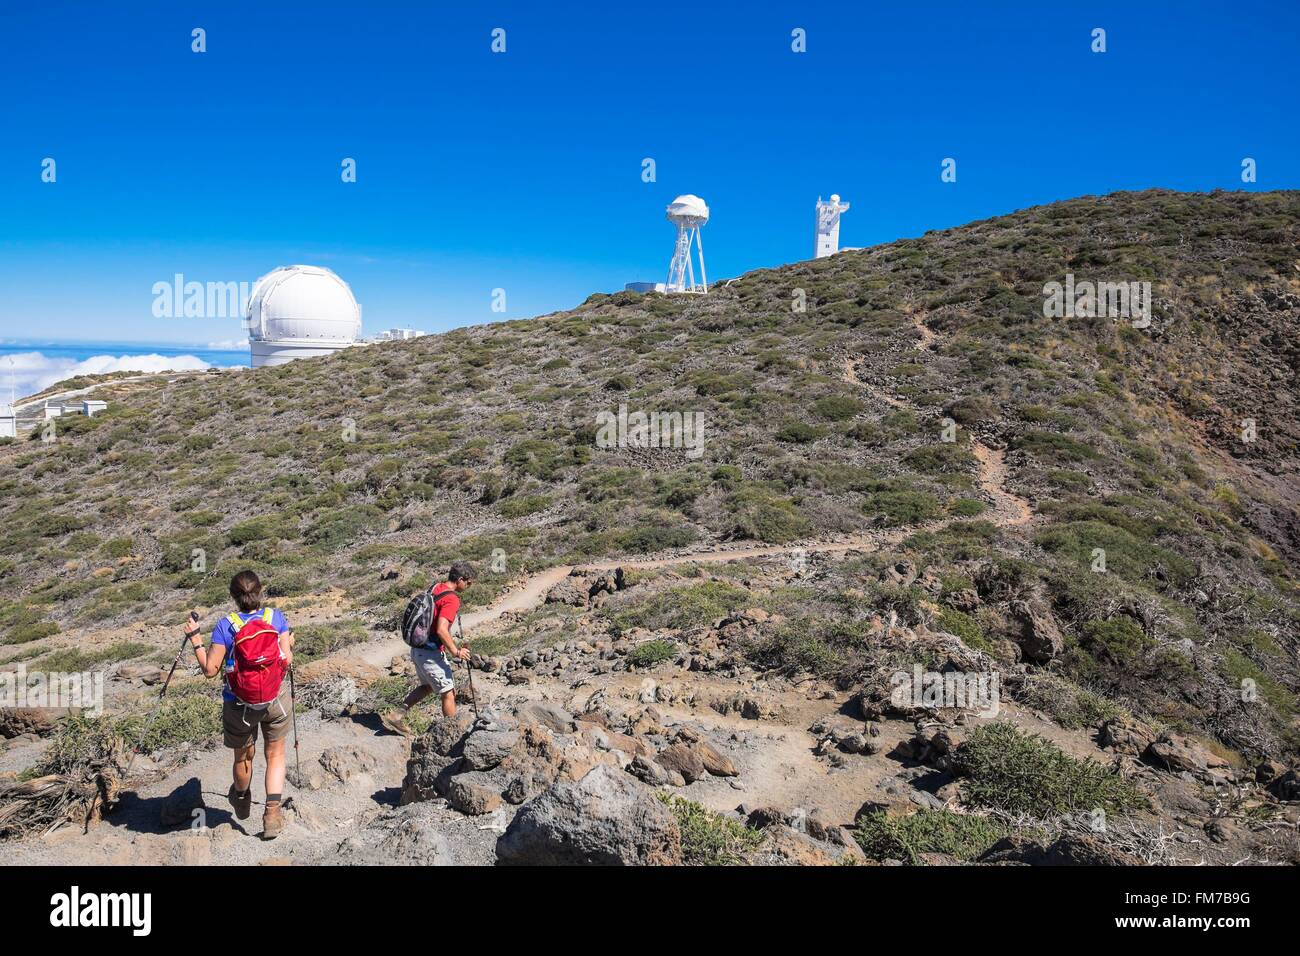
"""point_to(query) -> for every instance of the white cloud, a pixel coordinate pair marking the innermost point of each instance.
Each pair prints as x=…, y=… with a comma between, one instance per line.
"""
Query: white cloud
x=34, y=371
x=229, y=345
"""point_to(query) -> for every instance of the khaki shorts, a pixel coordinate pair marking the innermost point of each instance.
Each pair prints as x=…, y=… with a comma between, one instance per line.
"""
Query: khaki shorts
x=239, y=723
x=433, y=668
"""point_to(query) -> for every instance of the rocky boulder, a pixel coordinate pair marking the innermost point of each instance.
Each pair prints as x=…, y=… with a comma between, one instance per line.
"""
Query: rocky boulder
x=346, y=762
x=15, y=721
x=1126, y=735
x=435, y=756
x=605, y=818
x=1177, y=753
x=1039, y=637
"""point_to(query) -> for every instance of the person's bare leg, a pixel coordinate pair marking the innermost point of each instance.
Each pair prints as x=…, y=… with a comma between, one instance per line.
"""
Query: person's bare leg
x=243, y=768
x=449, y=704
x=414, y=697
x=272, y=817
x=274, y=767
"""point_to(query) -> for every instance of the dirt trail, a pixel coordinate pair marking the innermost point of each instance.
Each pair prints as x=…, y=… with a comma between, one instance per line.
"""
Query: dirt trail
x=1010, y=510
x=532, y=591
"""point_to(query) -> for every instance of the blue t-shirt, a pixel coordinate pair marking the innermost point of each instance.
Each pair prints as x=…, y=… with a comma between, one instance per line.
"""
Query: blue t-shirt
x=224, y=634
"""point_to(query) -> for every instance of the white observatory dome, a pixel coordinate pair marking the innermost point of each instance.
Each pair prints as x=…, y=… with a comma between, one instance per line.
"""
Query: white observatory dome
x=298, y=312
x=688, y=207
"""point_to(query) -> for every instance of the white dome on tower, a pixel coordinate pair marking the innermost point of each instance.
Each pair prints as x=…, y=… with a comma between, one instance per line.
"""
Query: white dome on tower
x=688, y=207
x=300, y=311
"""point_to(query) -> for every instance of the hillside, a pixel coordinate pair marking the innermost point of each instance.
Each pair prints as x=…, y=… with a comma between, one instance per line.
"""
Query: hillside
x=347, y=482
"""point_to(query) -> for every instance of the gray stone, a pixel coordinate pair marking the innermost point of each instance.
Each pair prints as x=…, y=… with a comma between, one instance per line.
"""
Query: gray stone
x=606, y=818
x=347, y=761
x=475, y=792
x=485, y=749
x=548, y=715
x=1040, y=637
x=683, y=759
x=647, y=771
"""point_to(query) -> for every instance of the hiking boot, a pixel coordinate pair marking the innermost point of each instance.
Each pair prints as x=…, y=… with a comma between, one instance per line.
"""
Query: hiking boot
x=272, y=821
x=395, y=720
x=243, y=805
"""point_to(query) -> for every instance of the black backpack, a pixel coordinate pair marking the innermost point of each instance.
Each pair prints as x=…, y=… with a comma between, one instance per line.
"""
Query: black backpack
x=417, y=619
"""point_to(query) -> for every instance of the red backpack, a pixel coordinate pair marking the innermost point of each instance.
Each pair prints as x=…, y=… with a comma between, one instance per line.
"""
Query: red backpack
x=259, y=666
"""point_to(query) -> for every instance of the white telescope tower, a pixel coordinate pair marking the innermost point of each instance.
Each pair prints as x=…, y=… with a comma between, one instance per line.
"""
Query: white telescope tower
x=687, y=213
x=828, y=226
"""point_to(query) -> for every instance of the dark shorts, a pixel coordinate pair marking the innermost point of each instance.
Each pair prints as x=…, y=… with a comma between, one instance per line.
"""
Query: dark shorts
x=239, y=724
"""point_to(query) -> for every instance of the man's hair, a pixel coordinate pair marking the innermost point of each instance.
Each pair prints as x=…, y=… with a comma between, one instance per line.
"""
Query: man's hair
x=246, y=589
x=461, y=569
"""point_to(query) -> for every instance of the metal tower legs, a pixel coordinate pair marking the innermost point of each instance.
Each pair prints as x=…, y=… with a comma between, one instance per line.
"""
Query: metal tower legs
x=681, y=271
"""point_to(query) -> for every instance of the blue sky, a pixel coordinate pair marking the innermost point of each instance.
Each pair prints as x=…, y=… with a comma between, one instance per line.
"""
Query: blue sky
x=522, y=170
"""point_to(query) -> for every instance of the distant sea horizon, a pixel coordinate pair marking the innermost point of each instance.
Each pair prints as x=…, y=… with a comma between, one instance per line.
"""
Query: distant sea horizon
x=33, y=365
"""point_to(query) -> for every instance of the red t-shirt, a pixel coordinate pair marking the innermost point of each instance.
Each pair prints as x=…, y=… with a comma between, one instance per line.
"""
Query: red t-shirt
x=446, y=602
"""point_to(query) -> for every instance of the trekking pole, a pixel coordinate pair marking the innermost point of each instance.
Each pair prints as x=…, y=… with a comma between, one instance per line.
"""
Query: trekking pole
x=293, y=717
x=469, y=668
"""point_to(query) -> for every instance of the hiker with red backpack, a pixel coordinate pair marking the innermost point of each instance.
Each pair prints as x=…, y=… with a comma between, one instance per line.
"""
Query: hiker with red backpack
x=426, y=627
x=253, y=648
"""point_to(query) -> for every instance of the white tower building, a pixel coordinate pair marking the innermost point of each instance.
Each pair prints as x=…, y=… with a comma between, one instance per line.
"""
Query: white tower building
x=8, y=415
x=687, y=213
x=299, y=312
x=827, y=241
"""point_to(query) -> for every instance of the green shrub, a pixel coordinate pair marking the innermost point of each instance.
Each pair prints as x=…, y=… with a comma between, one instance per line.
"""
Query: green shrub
x=74, y=659
x=689, y=605
x=186, y=716
x=314, y=641
x=256, y=529
x=837, y=408
x=334, y=528
x=799, y=433
x=524, y=505
x=962, y=836
x=805, y=645
x=901, y=507
x=760, y=514
x=651, y=653
x=30, y=631
x=1018, y=772
x=944, y=458
x=1127, y=555
x=708, y=838
x=965, y=627
x=1120, y=639
x=1068, y=704
x=1053, y=447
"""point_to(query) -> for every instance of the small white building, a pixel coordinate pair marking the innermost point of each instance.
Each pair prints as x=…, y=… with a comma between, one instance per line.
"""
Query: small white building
x=53, y=410
x=397, y=335
x=8, y=422
x=92, y=407
x=646, y=287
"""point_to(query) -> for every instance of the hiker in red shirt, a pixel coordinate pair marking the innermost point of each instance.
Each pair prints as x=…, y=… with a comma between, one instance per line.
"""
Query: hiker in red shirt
x=431, y=663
